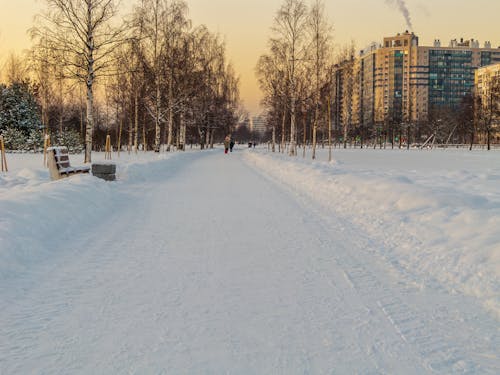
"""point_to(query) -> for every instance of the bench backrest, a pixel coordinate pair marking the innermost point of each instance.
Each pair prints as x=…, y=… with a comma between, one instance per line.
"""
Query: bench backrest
x=58, y=158
x=62, y=157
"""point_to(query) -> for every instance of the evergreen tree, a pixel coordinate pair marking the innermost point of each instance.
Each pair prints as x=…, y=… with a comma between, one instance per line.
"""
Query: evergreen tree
x=18, y=108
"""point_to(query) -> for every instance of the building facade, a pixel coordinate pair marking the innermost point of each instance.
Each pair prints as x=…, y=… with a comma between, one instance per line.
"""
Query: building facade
x=485, y=78
x=487, y=89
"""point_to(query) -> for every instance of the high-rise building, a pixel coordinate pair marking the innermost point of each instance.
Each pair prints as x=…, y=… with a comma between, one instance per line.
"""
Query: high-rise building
x=400, y=81
x=484, y=80
x=487, y=88
x=258, y=125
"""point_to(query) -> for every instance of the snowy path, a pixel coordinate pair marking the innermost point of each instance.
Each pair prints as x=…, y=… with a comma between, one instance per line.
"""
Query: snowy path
x=213, y=268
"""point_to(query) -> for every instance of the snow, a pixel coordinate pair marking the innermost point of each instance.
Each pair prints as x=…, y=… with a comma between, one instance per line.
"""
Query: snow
x=380, y=262
x=437, y=213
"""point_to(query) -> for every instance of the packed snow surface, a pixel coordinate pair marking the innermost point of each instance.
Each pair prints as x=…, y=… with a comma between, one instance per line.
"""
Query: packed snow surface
x=380, y=262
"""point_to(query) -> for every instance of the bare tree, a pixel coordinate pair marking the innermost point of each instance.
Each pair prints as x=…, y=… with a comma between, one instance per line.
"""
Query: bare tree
x=488, y=108
x=345, y=86
x=320, y=31
x=272, y=77
x=81, y=32
x=40, y=67
x=174, y=30
x=15, y=69
x=290, y=28
x=149, y=20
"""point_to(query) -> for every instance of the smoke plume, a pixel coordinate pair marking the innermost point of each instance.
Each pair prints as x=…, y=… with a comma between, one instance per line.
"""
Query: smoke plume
x=403, y=9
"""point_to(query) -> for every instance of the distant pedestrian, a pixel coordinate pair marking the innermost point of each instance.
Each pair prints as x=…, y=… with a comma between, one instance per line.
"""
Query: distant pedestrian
x=227, y=141
x=231, y=144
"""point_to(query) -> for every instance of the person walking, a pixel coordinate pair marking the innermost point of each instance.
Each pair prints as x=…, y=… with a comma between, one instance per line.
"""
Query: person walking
x=231, y=144
x=227, y=141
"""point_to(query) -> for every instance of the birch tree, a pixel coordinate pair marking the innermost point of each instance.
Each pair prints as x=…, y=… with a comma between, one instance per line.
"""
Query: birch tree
x=273, y=77
x=82, y=33
x=174, y=30
x=40, y=68
x=150, y=17
x=290, y=28
x=320, y=31
x=348, y=80
x=272, y=80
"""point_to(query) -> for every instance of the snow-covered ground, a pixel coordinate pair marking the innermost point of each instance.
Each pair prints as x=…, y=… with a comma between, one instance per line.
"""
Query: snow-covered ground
x=381, y=262
x=436, y=213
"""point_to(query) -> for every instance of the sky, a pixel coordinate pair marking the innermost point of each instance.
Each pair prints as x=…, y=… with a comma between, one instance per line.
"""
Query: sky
x=245, y=26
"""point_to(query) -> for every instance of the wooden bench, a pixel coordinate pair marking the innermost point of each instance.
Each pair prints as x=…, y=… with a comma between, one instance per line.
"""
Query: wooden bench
x=59, y=166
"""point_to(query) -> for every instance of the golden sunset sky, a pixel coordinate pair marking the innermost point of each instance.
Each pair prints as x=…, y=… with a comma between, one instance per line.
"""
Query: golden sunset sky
x=245, y=26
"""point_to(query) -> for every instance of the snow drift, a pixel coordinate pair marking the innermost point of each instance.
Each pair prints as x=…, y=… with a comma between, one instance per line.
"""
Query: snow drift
x=436, y=212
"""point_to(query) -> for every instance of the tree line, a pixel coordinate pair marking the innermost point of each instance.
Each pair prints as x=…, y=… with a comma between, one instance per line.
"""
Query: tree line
x=150, y=78
x=309, y=89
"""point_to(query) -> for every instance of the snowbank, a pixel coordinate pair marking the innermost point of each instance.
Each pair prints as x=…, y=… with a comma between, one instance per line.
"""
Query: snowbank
x=436, y=212
x=39, y=218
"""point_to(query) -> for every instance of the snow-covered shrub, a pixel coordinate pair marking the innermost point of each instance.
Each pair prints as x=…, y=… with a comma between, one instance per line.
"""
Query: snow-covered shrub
x=34, y=140
x=14, y=139
x=71, y=139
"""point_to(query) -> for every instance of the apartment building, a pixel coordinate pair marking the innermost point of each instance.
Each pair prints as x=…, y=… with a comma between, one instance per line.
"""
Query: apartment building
x=401, y=81
x=484, y=80
x=487, y=87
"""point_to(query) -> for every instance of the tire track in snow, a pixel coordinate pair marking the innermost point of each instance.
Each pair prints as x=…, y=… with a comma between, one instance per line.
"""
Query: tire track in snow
x=431, y=336
x=440, y=339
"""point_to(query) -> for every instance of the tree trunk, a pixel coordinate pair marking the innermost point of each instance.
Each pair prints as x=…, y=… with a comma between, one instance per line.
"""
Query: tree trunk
x=136, y=122
x=89, y=131
x=120, y=137
x=304, y=138
x=130, y=134
x=273, y=148
x=315, y=129
x=170, y=113
x=157, y=116
x=408, y=134
x=329, y=132
x=201, y=135
x=283, y=132
x=345, y=136
x=144, y=141
x=182, y=133
x=90, y=118
x=293, y=145
x=82, y=121
x=207, y=137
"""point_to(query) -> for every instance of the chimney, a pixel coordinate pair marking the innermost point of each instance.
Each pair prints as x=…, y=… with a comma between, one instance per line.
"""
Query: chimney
x=487, y=44
x=437, y=43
